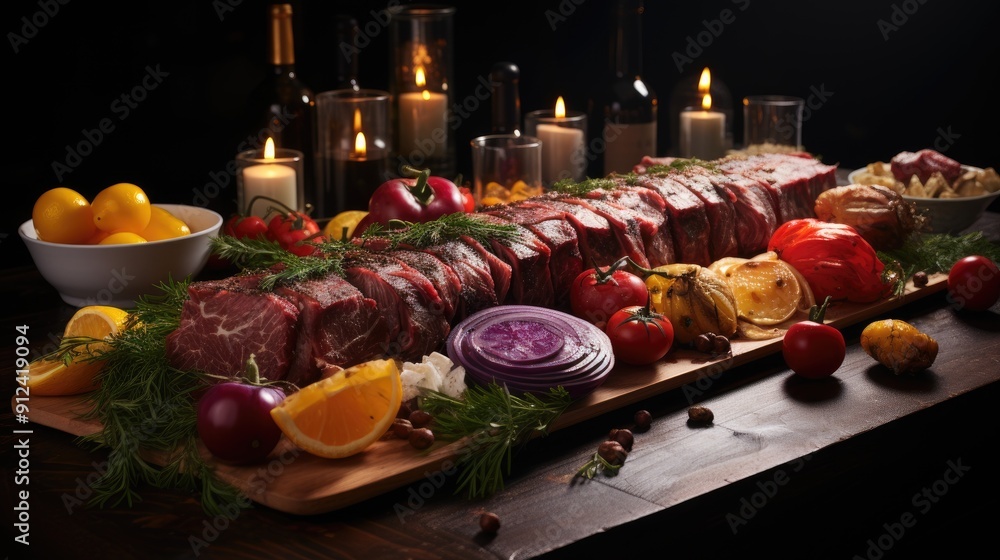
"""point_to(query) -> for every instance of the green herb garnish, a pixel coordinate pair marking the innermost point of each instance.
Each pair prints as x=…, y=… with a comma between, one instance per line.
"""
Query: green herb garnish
x=580, y=188
x=936, y=252
x=445, y=228
x=495, y=423
x=681, y=164
x=260, y=254
x=145, y=405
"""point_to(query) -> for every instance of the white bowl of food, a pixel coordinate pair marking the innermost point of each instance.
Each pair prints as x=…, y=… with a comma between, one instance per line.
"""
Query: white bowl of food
x=117, y=275
x=948, y=208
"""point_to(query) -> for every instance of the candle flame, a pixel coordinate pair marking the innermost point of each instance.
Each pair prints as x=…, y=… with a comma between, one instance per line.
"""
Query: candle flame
x=357, y=120
x=560, y=108
x=360, y=146
x=269, y=148
x=420, y=78
x=705, y=81
x=706, y=101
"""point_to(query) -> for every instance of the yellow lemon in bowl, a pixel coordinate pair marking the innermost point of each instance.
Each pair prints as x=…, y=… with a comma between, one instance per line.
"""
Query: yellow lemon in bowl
x=164, y=225
x=62, y=215
x=121, y=207
x=341, y=226
x=122, y=238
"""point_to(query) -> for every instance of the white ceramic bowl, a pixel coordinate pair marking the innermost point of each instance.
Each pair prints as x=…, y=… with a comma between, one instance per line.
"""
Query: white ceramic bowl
x=117, y=275
x=947, y=215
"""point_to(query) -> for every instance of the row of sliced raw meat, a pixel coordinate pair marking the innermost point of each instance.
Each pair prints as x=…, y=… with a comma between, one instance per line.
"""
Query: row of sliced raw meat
x=403, y=302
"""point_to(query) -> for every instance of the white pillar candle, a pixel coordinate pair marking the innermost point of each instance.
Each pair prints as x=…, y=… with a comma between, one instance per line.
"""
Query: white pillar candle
x=703, y=134
x=563, y=153
x=272, y=180
x=423, y=124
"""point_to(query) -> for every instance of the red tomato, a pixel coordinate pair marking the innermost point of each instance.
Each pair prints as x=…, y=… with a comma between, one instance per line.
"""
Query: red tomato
x=812, y=349
x=974, y=283
x=468, y=199
x=291, y=231
x=596, y=294
x=246, y=227
x=639, y=336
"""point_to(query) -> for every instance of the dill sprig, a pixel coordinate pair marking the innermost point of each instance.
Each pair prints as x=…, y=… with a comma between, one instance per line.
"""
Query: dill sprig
x=680, y=165
x=495, y=423
x=937, y=252
x=580, y=188
x=283, y=266
x=451, y=226
x=147, y=406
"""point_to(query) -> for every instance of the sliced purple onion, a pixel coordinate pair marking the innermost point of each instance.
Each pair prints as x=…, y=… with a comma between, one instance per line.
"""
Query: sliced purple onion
x=532, y=349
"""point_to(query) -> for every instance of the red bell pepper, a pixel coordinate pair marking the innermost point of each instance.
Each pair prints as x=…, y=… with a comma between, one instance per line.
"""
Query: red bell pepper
x=418, y=199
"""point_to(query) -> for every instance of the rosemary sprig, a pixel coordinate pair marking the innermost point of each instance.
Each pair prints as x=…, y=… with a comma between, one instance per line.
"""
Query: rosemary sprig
x=448, y=227
x=595, y=465
x=260, y=254
x=580, y=188
x=495, y=423
x=144, y=404
x=937, y=253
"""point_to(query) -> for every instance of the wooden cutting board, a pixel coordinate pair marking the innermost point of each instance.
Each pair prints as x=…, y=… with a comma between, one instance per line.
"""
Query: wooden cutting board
x=296, y=482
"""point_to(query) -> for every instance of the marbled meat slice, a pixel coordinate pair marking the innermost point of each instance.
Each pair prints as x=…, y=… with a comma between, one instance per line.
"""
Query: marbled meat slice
x=649, y=209
x=551, y=228
x=407, y=301
x=719, y=210
x=623, y=221
x=597, y=242
x=688, y=218
x=444, y=278
x=755, y=209
x=478, y=289
x=224, y=321
x=528, y=257
x=338, y=326
x=788, y=184
x=500, y=270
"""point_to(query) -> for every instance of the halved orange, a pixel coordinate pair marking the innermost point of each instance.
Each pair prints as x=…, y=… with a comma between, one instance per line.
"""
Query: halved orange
x=343, y=414
x=54, y=377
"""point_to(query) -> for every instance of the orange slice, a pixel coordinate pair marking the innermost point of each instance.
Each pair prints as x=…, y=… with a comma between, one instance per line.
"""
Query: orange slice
x=343, y=414
x=52, y=378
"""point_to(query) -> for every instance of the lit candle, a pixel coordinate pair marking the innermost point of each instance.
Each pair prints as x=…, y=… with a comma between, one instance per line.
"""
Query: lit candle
x=703, y=133
x=272, y=180
x=362, y=172
x=423, y=121
x=563, y=148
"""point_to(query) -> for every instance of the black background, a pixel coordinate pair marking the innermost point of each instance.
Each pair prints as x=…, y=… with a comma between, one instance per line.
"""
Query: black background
x=925, y=83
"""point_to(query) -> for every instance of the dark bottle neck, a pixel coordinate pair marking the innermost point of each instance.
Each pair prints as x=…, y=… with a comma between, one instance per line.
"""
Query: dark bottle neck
x=626, y=39
x=504, y=80
x=346, y=68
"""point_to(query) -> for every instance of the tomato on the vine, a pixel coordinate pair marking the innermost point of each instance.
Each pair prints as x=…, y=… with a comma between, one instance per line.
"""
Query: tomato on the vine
x=246, y=227
x=598, y=293
x=639, y=336
x=293, y=231
x=812, y=349
x=974, y=283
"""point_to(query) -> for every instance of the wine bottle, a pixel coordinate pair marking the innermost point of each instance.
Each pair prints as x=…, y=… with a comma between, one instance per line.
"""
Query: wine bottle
x=282, y=107
x=346, y=68
x=504, y=82
x=629, y=119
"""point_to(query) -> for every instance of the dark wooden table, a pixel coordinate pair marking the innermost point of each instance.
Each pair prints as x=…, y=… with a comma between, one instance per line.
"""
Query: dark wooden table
x=862, y=465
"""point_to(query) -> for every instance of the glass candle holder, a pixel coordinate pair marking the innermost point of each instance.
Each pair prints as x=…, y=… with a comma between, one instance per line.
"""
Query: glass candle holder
x=773, y=119
x=354, y=147
x=269, y=177
x=421, y=84
x=506, y=166
x=564, y=143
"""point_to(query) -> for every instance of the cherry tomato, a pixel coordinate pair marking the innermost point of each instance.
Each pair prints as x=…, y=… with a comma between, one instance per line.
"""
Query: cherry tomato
x=639, y=336
x=291, y=230
x=813, y=349
x=598, y=293
x=468, y=199
x=246, y=227
x=234, y=421
x=974, y=283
